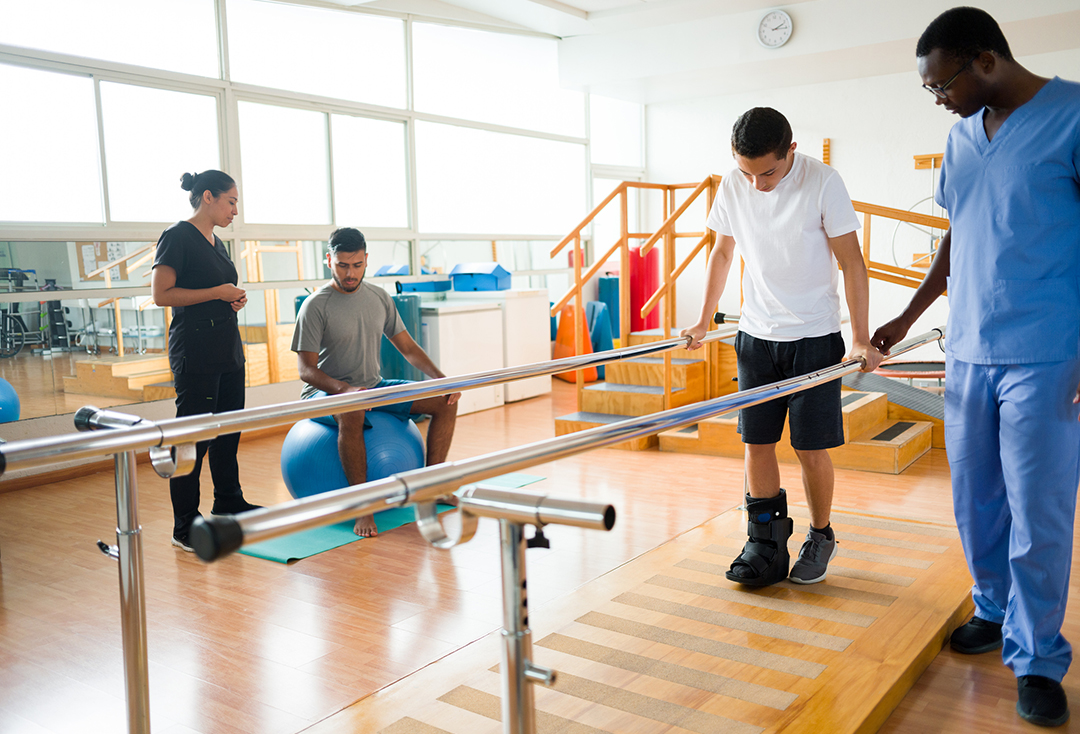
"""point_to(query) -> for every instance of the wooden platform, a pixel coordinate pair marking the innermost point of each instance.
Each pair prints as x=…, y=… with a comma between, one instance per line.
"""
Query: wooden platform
x=875, y=441
x=121, y=377
x=666, y=644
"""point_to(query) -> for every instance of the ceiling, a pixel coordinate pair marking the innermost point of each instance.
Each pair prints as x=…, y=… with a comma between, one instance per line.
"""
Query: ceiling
x=659, y=50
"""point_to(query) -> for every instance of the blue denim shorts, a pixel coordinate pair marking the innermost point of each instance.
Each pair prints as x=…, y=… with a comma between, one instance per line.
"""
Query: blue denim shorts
x=399, y=410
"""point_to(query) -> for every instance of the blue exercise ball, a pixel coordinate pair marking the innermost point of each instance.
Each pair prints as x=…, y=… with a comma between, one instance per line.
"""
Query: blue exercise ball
x=9, y=402
x=309, y=457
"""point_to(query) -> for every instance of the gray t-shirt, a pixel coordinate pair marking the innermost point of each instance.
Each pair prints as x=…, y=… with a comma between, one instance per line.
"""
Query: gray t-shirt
x=346, y=330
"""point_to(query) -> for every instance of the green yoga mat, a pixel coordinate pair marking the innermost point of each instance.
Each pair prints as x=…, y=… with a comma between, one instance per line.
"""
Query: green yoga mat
x=307, y=543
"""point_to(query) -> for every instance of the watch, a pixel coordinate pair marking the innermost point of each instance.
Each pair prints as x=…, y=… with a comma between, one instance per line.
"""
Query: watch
x=774, y=30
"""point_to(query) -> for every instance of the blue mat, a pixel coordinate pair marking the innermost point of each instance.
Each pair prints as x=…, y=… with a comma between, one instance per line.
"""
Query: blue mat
x=306, y=543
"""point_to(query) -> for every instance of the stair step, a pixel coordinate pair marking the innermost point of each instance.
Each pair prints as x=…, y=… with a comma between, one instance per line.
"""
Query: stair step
x=888, y=446
x=650, y=371
x=584, y=420
x=159, y=391
x=618, y=398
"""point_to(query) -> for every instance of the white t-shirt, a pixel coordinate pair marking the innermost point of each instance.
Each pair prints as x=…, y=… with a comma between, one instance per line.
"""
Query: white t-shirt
x=791, y=275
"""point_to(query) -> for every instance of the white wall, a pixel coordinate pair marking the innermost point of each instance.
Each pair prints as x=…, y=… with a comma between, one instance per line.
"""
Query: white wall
x=875, y=124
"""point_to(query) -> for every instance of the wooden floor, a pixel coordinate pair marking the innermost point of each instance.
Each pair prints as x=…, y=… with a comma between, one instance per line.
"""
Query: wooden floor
x=247, y=645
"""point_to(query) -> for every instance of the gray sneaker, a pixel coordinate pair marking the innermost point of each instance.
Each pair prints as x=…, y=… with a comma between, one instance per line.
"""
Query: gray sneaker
x=814, y=559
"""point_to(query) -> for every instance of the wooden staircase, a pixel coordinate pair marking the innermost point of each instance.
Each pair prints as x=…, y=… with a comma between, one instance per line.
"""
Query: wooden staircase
x=635, y=387
x=118, y=377
x=874, y=441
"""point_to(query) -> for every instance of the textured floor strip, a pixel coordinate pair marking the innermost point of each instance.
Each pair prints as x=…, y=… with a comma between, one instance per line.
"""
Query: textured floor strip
x=735, y=622
x=831, y=590
x=750, y=692
x=730, y=551
x=665, y=644
x=896, y=526
x=651, y=708
x=412, y=726
x=800, y=531
x=763, y=601
x=489, y=706
x=693, y=643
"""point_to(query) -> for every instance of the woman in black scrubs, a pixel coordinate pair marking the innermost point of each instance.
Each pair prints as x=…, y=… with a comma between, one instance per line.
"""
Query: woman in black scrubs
x=194, y=275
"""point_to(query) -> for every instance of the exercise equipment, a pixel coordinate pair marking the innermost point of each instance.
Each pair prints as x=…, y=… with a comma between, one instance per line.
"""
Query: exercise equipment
x=394, y=365
x=564, y=343
x=596, y=313
x=9, y=402
x=609, y=294
x=644, y=282
x=309, y=456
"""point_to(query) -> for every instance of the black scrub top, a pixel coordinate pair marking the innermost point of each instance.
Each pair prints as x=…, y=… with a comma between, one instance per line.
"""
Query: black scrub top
x=204, y=338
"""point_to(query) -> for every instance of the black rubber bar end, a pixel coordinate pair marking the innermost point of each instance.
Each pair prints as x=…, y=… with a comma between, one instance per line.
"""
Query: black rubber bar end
x=215, y=537
x=83, y=416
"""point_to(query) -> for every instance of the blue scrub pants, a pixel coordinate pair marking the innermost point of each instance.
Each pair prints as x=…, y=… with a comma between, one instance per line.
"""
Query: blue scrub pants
x=1014, y=450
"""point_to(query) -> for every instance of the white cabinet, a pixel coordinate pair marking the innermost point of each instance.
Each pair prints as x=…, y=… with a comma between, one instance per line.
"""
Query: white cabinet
x=526, y=332
x=463, y=337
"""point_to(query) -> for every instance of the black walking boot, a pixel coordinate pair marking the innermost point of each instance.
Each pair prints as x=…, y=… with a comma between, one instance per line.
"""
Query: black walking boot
x=764, y=559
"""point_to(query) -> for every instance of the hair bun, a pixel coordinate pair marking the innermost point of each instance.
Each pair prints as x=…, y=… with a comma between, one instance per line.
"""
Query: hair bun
x=187, y=181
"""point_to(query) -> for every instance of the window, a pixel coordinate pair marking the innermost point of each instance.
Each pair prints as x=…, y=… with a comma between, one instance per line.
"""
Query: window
x=180, y=129
x=163, y=34
x=370, y=186
x=615, y=132
x=499, y=78
x=331, y=53
x=284, y=156
x=479, y=181
x=48, y=148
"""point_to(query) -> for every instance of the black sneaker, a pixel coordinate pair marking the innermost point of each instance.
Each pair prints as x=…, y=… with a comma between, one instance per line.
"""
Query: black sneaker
x=976, y=637
x=182, y=543
x=1041, y=701
x=232, y=506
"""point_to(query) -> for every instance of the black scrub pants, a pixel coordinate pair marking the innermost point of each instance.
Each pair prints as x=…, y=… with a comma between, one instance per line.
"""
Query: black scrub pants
x=197, y=395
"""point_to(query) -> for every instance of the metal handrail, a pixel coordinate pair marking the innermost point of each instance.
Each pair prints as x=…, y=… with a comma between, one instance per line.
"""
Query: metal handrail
x=218, y=536
x=145, y=434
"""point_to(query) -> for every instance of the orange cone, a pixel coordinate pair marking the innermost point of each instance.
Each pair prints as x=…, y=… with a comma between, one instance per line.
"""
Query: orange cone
x=564, y=343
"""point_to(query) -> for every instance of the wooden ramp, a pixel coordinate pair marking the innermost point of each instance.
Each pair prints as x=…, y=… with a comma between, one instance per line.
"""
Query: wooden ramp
x=666, y=644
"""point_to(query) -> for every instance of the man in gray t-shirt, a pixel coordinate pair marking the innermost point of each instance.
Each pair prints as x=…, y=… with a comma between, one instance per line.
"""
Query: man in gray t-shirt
x=337, y=341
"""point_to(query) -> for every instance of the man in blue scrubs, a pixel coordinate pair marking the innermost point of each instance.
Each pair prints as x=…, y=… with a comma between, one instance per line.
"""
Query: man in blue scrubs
x=1011, y=262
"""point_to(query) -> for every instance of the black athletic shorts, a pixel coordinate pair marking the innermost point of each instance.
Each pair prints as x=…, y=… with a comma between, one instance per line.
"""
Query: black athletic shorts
x=816, y=418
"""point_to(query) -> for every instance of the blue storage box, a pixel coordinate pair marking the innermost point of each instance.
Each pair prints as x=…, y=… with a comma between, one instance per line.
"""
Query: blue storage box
x=392, y=270
x=480, y=277
x=426, y=286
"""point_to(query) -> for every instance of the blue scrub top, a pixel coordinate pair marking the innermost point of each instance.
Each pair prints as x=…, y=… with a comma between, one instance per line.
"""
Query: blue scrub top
x=1014, y=207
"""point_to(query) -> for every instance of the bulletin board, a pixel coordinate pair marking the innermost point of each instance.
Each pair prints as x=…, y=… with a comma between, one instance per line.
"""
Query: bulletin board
x=92, y=255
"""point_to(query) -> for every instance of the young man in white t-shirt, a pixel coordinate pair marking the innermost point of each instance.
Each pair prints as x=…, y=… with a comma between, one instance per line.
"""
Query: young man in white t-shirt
x=793, y=222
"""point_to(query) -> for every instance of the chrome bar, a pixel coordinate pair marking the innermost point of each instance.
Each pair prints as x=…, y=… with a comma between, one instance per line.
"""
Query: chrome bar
x=536, y=509
x=218, y=536
x=142, y=434
x=132, y=600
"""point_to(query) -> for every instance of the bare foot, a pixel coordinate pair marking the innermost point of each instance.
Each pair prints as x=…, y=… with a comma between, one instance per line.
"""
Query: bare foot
x=450, y=499
x=365, y=527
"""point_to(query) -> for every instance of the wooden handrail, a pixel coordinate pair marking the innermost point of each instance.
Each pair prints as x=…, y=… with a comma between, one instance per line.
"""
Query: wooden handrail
x=901, y=215
x=585, y=222
x=586, y=278
x=651, y=303
x=669, y=223
x=109, y=266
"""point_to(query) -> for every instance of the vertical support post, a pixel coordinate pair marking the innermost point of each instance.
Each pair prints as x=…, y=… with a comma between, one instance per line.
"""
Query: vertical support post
x=518, y=713
x=711, y=350
x=866, y=239
x=580, y=323
x=624, y=271
x=669, y=290
x=132, y=598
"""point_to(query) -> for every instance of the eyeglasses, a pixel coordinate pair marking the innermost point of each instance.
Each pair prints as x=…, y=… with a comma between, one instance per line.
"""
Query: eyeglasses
x=940, y=92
